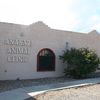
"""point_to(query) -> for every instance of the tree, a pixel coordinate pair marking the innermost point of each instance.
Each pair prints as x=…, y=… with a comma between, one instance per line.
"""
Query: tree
x=80, y=62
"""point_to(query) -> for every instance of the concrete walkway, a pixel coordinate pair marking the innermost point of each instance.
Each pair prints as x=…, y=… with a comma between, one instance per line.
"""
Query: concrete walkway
x=26, y=92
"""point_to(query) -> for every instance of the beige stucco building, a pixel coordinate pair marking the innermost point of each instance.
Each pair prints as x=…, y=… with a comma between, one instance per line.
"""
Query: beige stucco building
x=23, y=49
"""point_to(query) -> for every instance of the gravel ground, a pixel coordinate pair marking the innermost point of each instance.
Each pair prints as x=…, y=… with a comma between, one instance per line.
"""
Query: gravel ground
x=13, y=84
x=91, y=92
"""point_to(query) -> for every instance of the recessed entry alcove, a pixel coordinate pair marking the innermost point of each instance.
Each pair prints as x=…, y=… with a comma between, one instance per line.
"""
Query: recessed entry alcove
x=46, y=60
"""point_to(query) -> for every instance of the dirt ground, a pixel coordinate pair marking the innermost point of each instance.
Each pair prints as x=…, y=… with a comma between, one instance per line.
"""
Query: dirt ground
x=91, y=92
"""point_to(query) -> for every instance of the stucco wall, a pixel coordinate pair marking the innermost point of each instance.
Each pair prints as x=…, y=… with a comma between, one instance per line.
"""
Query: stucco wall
x=37, y=36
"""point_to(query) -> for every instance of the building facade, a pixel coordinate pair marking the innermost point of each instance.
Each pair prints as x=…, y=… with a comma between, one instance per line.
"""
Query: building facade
x=32, y=51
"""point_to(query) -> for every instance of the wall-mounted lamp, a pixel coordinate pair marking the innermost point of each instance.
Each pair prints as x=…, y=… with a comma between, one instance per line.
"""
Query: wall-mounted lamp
x=66, y=45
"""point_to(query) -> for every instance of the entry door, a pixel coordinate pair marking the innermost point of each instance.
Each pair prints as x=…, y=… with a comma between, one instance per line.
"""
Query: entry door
x=46, y=60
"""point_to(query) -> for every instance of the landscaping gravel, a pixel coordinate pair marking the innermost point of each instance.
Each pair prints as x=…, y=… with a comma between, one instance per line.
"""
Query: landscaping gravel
x=13, y=84
x=91, y=92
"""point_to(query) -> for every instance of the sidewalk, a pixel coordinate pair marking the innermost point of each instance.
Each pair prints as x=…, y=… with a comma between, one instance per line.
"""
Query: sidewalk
x=26, y=92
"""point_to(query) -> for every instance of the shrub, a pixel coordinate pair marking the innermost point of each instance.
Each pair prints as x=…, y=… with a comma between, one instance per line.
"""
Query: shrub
x=80, y=62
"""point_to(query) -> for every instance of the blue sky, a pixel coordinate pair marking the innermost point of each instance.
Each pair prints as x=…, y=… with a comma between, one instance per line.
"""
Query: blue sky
x=73, y=15
x=88, y=12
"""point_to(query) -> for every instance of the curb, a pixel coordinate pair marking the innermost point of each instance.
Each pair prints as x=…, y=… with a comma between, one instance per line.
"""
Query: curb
x=65, y=87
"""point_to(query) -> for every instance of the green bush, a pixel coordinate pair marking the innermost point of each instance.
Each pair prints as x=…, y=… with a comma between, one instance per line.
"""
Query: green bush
x=80, y=62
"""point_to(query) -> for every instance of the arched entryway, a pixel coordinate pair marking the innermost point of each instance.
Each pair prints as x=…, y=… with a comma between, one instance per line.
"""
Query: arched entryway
x=46, y=60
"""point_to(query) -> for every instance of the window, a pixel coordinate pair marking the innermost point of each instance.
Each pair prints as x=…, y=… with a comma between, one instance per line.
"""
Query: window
x=46, y=60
